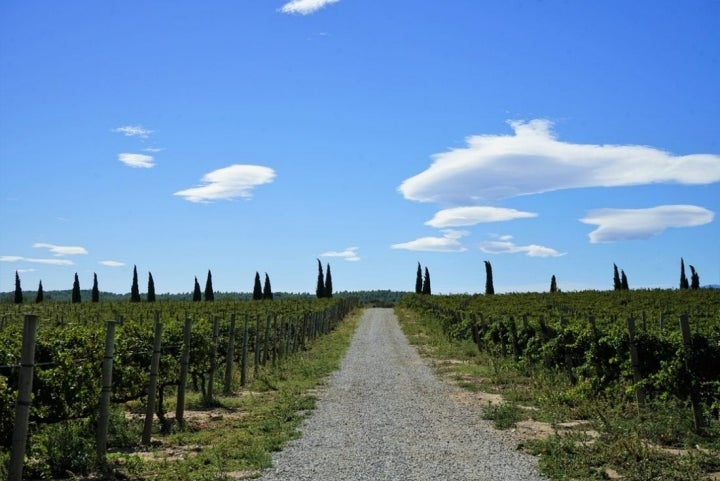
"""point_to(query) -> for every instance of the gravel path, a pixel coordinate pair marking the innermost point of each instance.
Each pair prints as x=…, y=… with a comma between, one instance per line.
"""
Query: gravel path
x=385, y=416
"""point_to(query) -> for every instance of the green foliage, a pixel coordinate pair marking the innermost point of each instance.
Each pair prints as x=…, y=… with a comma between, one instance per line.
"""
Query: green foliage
x=328, y=282
x=257, y=288
x=209, y=293
x=18, y=289
x=267, y=289
x=504, y=416
x=76, y=291
x=320, y=286
x=489, y=286
x=134, y=288
x=95, y=293
x=151, y=288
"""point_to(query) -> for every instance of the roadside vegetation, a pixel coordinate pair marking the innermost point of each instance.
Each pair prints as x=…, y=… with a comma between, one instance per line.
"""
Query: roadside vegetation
x=576, y=430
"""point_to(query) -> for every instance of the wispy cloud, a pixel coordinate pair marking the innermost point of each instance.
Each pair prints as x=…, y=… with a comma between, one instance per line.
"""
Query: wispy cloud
x=137, y=160
x=305, y=7
x=134, y=131
x=61, y=250
x=154, y=149
x=112, y=263
x=466, y=216
x=349, y=254
x=447, y=243
x=632, y=224
x=532, y=161
x=228, y=183
x=56, y=262
x=505, y=245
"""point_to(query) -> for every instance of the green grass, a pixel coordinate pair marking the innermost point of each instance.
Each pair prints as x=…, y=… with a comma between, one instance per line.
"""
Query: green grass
x=239, y=435
x=632, y=442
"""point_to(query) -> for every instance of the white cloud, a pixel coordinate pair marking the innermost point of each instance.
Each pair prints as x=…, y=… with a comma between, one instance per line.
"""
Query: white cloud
x=112, y=263
x=134, y=131
x=505, y=245
x=632, y=224
x=532, y=161
x=447, y=243
x=56, y=262
x=305, y=7
x=349, y=254
x=465, y=216
x=61, y=250
x=154, y=149
x=137, y=160
x=228, y=183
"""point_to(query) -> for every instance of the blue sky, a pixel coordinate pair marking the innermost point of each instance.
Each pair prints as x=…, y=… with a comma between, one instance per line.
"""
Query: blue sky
x=547, y=137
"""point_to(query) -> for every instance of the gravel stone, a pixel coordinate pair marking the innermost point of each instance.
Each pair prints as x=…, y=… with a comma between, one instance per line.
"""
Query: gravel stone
x=384, y=415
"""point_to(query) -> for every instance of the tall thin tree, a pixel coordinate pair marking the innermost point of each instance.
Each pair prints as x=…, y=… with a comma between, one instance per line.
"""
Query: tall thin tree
x=624, y=281
x=418, y=280
x=76, y=290
x=18, y=289
x=683, y=278
x=197, y=293
x=40, y=294
x=257, y=288
x=617, y=284
x=426, y=289
x=320, y=287
x=489, y=285
x=553, y=284
x=328, y=282
x=151, y=288
x=135, y=289
x=267, y=289
x=95, y=293
x=209, y=294
x=694, y=279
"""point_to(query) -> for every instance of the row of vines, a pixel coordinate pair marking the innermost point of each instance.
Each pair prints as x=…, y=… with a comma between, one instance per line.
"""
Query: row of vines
x=71, y=341
x=630, y=341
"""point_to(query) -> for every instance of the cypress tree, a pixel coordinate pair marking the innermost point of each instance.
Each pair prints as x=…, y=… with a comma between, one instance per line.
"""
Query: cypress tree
x=95, y=293
x=197, y=293
x=624, y=282
x=267, y=290
x=18, y=289
x=76, y=290
x=617, y=284
x=553, y=284
x=694, y=279
x=40, y=294
x=489, y=286
x=426, y=289
x=134, y=289
x=151, y=288
x=418, y=280
x=209, y=295
x=257, y=288
x=328, y=282
x=683, y=279
x=320, y=288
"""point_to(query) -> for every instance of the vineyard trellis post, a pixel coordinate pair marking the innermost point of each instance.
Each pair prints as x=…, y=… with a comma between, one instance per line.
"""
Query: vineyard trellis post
x=104, y=415
x=635, y=361
x=243, y=354
x=227, y=388
x=687, y=351
x=213, y=361
x=22, y=408
x=184, y=367
x=257, y=346
x=152, y=388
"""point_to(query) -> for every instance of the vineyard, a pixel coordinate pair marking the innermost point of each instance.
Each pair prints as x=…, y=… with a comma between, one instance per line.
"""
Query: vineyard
x=648, y=356
x=143, y=353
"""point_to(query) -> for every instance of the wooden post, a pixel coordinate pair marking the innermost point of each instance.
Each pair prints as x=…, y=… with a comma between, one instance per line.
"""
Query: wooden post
x=687, y=349
x=266, y=343
x=184, y=367
x=227, y=388
x=514, y=338
x=22, y=407
x=213, y=361
x=104, y=416
x=258, y=321
x=635, y=361
x=243, y=354
x=152, y=388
